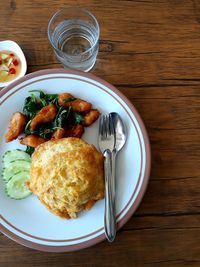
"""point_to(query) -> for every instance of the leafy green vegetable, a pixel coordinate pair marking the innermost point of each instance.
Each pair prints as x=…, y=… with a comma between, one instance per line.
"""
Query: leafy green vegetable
x=46, y=99
x=43, y=102
x=31, y=107
x=30, y=150
x=78, y=118
x=62, y=117
x=69, y=99
x=45, y=130
x=27, y=128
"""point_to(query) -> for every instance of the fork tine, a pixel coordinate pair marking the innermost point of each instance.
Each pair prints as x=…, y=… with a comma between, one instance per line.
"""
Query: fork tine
x=107, y=126
x=111, y=127
x=106, y=137
x=101, y=126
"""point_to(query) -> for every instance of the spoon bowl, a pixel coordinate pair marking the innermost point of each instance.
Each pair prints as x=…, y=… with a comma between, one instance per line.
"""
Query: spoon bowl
x=120, y=131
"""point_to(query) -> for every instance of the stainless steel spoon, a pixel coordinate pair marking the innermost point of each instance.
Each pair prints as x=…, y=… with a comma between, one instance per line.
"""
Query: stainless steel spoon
x=120, y=140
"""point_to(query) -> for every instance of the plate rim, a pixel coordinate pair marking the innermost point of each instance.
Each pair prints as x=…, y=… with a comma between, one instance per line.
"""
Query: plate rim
x=135, y=204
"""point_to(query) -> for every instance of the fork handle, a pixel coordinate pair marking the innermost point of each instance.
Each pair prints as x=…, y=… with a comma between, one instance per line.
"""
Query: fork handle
x=109, y=216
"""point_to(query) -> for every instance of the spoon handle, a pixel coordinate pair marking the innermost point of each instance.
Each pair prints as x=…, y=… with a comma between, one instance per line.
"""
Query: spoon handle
x=109, y=216
x=113, y=187
x=113, y=168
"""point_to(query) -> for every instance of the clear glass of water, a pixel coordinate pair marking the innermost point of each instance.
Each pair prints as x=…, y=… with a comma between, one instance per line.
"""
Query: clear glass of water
x=74, y=35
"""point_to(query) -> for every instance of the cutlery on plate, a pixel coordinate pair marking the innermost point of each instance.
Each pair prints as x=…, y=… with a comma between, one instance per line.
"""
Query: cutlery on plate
x=106, y=144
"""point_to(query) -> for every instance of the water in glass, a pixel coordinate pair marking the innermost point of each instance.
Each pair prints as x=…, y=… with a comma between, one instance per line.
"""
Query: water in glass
x=76, y=43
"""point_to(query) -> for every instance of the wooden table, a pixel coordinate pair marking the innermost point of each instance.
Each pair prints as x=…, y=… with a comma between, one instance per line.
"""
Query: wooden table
x=150, y=50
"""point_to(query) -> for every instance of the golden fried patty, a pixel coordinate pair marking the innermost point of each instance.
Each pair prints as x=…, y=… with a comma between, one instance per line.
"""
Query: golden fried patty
x=67, y=176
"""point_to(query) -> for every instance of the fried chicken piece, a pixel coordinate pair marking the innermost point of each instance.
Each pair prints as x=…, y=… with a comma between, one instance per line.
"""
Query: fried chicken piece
x=78, y=105
x=46, y=114
x=16, y=126
x=58, y=134
x=91, y=117
x=74, y=131
x=32, y=140
x=64, y=99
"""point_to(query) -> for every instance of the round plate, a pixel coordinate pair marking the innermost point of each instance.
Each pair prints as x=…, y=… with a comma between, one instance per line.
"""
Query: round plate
x=27, y=221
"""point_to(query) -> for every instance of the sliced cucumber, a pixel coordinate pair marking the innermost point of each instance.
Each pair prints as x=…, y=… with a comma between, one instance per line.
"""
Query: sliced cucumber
x=12, y=155
x=14, y=167
x=16, y=187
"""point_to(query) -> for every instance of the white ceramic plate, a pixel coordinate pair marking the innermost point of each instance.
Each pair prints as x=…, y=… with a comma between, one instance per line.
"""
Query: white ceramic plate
x=27, y=221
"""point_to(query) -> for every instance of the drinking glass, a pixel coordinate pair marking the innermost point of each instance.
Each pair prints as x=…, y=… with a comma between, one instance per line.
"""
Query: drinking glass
x=74, y=35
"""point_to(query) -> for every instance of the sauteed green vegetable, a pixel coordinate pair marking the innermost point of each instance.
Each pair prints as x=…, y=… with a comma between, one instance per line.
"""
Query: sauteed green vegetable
x=50, y=116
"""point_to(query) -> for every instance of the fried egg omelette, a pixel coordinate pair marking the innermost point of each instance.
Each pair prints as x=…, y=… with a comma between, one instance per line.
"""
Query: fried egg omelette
x=67, y=176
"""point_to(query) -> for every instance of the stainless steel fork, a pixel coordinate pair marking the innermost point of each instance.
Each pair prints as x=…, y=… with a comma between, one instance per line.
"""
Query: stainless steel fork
x=106, y=145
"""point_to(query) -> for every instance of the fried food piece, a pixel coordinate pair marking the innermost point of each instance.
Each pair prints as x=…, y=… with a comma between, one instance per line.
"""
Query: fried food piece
x=16, y=126
x=58, y=134
x=77, y=105
x=91, y=117
x=32, y=140
x=67, y=176
x=74, y=131
x=63, y=99
x=46, y=114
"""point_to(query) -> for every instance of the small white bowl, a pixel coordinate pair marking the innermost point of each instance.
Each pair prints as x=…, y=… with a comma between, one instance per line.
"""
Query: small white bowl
x=14, y=47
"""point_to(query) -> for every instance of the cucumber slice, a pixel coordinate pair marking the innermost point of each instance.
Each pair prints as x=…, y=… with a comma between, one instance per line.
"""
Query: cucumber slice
x=14, y=167
x=15, y=154
x=16, y=188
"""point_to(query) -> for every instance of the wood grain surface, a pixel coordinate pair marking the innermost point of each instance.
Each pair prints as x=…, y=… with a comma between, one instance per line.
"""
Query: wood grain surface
x=150, y=50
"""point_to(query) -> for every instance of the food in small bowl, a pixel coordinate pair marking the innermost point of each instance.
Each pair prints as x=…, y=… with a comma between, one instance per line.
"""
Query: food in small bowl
x=10, y=66
x=67, y=176
x=12, y=62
